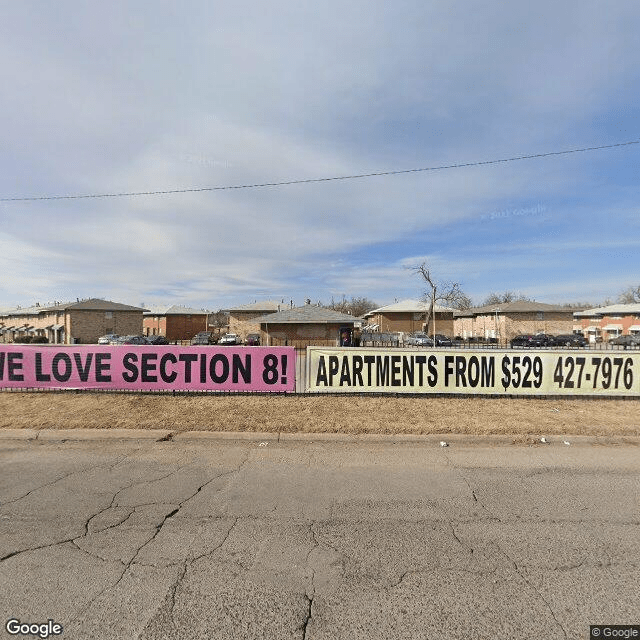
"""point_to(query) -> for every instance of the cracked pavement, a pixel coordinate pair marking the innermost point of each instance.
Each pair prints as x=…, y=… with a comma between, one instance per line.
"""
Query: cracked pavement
x=312, y=540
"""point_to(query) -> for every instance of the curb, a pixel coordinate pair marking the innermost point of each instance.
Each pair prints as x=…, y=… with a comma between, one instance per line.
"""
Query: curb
x=102, y=434
x=452, y=439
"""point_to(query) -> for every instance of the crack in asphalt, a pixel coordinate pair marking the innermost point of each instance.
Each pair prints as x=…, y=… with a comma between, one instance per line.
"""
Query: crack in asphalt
x=64, y=477
x=506, y=555
x=158, y=528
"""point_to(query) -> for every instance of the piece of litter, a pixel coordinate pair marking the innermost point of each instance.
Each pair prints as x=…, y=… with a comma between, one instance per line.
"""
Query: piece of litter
x=566, y=442
x=556, y=410
x=544, y=440
x=444, y=444
x=263, y=444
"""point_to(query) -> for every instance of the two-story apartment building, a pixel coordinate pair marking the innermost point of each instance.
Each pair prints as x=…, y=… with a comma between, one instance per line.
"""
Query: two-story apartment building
x=175, y=323
x=80, y=322
x=603, y=323
x=409, y=316
x=506, y=320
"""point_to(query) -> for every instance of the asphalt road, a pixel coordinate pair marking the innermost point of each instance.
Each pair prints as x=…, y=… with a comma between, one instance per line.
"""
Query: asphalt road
x=367, y=540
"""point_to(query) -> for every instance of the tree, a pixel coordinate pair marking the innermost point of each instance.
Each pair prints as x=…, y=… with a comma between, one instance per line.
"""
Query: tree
x=446, y=292
x=218, y=320
x=356, y=307
x=501, y=298
x=630, y=296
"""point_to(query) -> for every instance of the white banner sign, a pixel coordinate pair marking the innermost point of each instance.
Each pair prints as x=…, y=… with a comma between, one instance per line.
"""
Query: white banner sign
x=483, y=372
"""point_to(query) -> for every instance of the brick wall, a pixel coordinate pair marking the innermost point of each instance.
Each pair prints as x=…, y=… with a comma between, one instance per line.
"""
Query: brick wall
x=554, y=323
x=175, y=327
x=88, y=326
x=409, y=322
x=301, y=335
x=154, y=325
x=241, y=322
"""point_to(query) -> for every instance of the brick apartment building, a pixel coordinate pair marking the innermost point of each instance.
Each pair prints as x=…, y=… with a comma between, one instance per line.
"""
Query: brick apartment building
x=506, y=320
x=176, y=323
x=80, y=322
x=603, y=323
x=409, y=316
x=242, y=319
x=304, y=326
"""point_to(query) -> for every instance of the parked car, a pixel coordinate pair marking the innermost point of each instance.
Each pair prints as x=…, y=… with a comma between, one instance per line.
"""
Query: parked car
x=230, y=338
x=442, y=340
x=108, y=339
x=626, y=341
x=569, y=340
x=132, y=340
x=157, y=340
x=253, y=340
x=418, y=340
x=527, y=340
x=203, y=338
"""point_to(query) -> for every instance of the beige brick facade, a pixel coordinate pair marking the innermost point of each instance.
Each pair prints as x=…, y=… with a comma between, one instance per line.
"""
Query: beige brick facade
x=85, y=327
x=82, y=322
x=506, y=324
x=409, y=322
x=242, y=322
x=301, y=335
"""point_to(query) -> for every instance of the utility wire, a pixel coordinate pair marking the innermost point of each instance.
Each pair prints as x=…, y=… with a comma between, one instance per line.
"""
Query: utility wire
x=311, y=180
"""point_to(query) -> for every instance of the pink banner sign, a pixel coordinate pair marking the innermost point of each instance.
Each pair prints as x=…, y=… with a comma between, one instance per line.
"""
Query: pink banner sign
x=148, y=368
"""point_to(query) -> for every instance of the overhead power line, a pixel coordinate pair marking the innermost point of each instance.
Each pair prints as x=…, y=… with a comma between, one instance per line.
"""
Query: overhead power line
x=284, y=183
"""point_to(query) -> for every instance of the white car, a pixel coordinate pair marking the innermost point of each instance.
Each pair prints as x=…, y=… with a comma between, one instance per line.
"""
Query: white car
x=108, y=339
x=230, y=338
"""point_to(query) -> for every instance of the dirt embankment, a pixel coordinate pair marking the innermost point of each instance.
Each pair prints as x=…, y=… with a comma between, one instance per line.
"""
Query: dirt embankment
x=353, y=414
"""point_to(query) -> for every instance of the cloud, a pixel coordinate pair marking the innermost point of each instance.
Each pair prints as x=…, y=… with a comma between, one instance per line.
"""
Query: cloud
x=117, y=98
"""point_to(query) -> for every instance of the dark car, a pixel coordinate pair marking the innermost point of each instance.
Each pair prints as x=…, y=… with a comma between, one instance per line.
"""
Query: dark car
x=626, y=341
x=253, y=340
x=158, y=340
x=440, y=340
x=569, y=340
x=527, y=340
x=132, y=340
x=203, y=338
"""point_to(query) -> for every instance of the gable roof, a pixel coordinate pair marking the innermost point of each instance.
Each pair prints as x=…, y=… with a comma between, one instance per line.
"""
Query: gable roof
x=409, y=305
x=91, y=304
x=519, y=306
x=264, y=305
x=175, y=310
x=611, y=309
x=308, y=314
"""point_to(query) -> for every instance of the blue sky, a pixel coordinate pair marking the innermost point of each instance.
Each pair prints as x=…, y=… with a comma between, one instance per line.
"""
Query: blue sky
x=137, y=96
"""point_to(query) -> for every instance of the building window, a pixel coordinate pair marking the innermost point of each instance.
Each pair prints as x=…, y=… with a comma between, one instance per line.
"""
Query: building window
x=108, y=315
x=540, y=315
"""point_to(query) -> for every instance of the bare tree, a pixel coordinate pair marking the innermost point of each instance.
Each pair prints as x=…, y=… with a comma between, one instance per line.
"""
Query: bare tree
x=356, y=307
x=218, y=320
x=445, y=292
x=630, y=295
x=506, y=296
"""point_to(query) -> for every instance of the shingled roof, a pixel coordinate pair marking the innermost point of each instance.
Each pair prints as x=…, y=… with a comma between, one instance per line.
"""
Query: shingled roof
x=175, y=310
x=410, y=305
x=519, y=306
x=91, y=304
x=264, y=305
x=308, y=314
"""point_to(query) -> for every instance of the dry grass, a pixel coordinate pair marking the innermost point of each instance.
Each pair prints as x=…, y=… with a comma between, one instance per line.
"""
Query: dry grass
x=354, y=414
